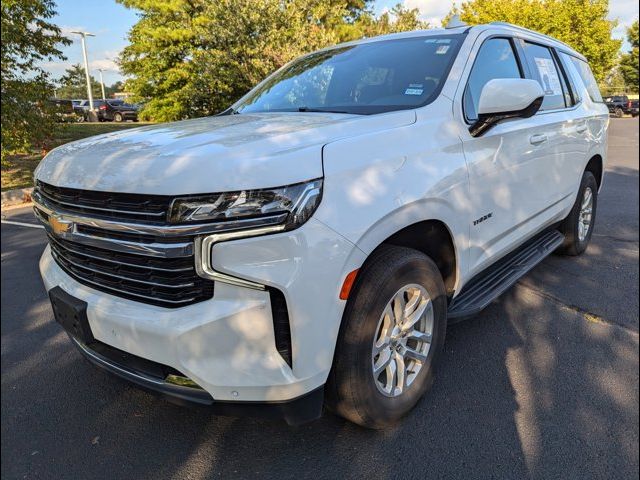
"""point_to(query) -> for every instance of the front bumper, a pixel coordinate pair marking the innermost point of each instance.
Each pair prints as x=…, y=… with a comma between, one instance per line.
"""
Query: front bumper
x=226, y=344
x=303, y=409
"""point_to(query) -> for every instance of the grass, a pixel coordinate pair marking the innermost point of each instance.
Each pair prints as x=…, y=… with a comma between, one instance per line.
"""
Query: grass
x=17, y=170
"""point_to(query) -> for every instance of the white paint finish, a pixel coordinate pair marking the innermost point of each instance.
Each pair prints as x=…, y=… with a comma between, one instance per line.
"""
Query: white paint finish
x=309, y=266
x=396, y=178
x=381, y=174
x=525, y=172
x=502, y=95
x=224, y=344
x=206, y=155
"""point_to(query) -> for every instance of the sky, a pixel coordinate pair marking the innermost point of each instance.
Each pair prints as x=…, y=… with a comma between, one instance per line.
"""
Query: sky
x=110, y=22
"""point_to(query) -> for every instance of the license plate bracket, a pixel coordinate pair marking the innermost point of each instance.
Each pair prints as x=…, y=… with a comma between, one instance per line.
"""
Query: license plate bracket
x=71, y=313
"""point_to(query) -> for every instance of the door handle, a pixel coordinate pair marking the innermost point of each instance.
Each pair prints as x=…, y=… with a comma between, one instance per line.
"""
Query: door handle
x=581, y=128
x=537, y=139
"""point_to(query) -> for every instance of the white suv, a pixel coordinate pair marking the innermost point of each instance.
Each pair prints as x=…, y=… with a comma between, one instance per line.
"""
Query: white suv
x=309, y=245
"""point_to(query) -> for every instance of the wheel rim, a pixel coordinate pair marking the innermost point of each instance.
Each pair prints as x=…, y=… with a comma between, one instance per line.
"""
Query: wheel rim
x=402, y=340
x=586, y=214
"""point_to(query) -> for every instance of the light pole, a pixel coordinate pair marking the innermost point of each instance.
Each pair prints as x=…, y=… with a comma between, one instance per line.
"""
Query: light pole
x=104, y=97
x=83, y=36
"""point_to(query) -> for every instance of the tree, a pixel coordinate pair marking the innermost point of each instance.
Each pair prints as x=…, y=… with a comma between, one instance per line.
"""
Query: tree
x=582, y=24
x=629, y=61
x=27, y=39
x=190, y=58
x=73, y=84
x=114, y=88
x=398, y=19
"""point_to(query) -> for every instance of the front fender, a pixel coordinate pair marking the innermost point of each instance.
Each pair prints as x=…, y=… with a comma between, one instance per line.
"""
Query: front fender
x=377, y=184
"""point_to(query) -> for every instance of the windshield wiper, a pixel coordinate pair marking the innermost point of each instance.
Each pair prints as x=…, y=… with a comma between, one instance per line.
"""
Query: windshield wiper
x=307, y=109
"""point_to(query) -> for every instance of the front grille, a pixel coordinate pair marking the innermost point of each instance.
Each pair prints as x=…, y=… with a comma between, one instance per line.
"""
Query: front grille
x=151, y=268
x=122, y=207
x=166, y=282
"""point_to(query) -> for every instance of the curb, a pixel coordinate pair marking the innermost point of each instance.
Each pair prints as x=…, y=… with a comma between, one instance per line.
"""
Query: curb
x=16, y=197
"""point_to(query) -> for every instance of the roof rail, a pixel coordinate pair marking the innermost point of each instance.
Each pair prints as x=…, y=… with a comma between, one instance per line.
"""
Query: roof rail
x=528, y=30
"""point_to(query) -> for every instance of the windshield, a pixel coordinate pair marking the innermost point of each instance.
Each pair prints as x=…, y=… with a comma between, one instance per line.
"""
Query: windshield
x=363, y=79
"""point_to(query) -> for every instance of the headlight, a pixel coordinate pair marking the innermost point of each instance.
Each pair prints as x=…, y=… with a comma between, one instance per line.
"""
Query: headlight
x=298, y=201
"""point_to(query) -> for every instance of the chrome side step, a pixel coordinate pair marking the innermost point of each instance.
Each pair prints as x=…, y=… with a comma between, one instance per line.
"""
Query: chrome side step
x=499, y=277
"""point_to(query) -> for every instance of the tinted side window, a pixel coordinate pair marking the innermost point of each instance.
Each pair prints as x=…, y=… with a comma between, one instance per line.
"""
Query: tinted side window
x=496, y=59
x=587, y=77
x=544, y=69
x=572, y=75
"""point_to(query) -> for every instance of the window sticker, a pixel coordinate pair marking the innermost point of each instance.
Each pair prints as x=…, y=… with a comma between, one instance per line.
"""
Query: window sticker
x=442, y=49
x=412, y=90
x=548, y=76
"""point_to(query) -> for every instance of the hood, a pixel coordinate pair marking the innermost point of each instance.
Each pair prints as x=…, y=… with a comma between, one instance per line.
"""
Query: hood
x=212, y=154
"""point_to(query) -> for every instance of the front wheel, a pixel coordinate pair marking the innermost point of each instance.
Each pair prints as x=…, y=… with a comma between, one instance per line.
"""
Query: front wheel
x=391, y=337
x=578, y=226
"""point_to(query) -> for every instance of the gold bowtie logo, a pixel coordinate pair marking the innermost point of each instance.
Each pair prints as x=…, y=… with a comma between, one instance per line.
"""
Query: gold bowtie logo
x=59, y=225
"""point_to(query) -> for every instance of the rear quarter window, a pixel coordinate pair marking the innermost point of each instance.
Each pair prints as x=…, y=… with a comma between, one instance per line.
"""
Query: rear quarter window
x=586, y=75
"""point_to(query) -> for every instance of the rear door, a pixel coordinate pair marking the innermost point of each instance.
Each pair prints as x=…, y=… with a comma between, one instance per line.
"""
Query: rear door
x=564, y=127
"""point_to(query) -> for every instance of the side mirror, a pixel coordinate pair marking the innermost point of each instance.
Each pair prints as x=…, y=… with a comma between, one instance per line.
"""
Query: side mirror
x=505, y=98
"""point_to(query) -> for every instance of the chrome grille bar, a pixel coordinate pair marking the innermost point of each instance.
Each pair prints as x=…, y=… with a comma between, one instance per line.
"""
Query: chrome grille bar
x=156, y=231
x=120, y=277
x=99, y=209
x=117, y=262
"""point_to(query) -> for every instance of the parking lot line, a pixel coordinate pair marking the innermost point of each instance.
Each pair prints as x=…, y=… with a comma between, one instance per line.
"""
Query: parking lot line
x=21, y=224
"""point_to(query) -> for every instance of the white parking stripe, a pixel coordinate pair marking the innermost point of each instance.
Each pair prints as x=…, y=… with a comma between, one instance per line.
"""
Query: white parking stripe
x=21, y=224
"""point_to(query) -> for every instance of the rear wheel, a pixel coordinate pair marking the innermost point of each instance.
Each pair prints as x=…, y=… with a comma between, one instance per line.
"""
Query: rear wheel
x=392, y=333
x=618, y=112
x=118, y=117
x=578, y=226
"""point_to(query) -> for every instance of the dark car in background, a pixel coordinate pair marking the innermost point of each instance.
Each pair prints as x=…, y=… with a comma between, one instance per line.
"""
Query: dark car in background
x=633, y=109
x=64, y=110
x=110, y=110
x=116, y=111
x=618, y=105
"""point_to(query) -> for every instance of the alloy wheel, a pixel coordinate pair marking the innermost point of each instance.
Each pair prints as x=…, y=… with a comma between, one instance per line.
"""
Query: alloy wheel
x=402, y=340
x=585, y=215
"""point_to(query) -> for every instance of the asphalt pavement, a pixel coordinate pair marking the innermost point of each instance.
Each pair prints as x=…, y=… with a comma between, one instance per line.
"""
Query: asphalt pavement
x=542, y=384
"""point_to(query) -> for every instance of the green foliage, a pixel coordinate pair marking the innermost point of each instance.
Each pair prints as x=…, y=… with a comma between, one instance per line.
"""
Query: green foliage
x=27, y=40
x=629, y=61
x=582, y=24
x=190, y=58
x=73, y=84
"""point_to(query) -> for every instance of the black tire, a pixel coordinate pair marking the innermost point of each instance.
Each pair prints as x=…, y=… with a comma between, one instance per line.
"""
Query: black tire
x=118, y=117
x=572, y=244
x=351, y=388
x=618, y=112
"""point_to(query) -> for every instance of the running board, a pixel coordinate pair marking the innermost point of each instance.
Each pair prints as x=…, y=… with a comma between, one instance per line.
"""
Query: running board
x=499, y=277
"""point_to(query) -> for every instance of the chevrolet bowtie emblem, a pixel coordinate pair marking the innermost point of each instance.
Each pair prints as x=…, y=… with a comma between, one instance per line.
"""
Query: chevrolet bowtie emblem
x=59, y=225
